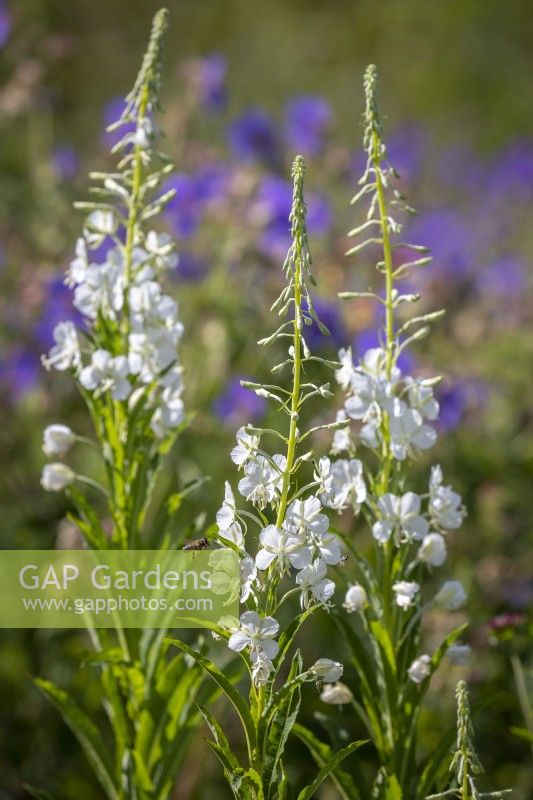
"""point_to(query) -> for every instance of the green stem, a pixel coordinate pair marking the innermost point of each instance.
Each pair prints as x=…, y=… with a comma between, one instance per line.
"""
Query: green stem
x=295, y=394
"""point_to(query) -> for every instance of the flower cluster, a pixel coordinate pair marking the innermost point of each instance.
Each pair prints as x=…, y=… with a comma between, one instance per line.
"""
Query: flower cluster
x=388, y=418
x=126, y=349
x=298, y=541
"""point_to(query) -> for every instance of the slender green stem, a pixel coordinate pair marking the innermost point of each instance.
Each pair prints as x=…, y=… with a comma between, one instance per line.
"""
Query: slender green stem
x=387, y=257
x=295, y=394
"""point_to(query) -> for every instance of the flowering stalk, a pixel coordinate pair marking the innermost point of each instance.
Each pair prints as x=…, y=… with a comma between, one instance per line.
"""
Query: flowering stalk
x=124, y=360
x=465, y=765
x=392, y=412
x=293, y=536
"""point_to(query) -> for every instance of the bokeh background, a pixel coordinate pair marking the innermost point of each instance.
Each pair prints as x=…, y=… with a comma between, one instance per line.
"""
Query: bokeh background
x=247, y=85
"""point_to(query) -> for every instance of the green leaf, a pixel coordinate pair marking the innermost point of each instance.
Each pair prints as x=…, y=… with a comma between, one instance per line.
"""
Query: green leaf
x=452, y=637
x=167, y=721
x=229, y=690
x=322, y=754
x=522, y=733
x=246, y=785
x=220, y=739
x=386, y=787
x=287, y=637
x=393, y=790
x=336, y=758
x=87, y=733
x=279, y=729
x=367, y=673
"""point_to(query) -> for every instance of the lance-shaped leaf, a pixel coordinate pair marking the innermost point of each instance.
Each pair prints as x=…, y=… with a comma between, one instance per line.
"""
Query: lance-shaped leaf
x=87, y=733
x=229, y=690
x=336, y=758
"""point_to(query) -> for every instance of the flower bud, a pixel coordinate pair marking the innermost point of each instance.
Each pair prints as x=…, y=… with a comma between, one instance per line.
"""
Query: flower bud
x=57, y=440
x=451, y=596
x=336, y=694
x=432, y=551
x=56, y=477
x=420, y=669
x=327, y=670
x=355, y=599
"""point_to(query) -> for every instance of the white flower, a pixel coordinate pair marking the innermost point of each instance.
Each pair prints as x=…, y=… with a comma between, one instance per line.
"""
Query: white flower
x=420, y=669
x=346, y=372
x=400, y=514
x=459, y=654
x=66, y=351
x=347, y=487
x=432, y=551
x=101, y=288
x=153, y=350
x=257, y=633
x=262, y=666
x=314, y=584
x=246, y=448
x=228, y=525
x=369, y=433
x=451, y=596
x=369, y=385
x=283, y=547
x=444, y=504
x=248, y=574
x=262, y=481
x=359, y=404
x=406, y=592
x=56, y=477
x=342, y=439
x=304, y=518
x=159, y=247
x=328, y=549
x=322, y=475
x=79, y=265
x=407, y=430
x=57, y=440
x=170, y=412
x=327, y=670
x=421, y=398
x=98, y=225
x=355, y=599
x=336, y=694
x=106, y=372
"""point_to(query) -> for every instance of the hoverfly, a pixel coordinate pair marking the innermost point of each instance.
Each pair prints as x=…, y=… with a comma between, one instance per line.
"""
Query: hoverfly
x=196, y=544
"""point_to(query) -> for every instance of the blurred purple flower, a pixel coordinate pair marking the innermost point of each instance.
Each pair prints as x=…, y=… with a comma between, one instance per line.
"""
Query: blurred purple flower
x=5, y=23
x=329, y=313
x=456, y=399
x=512, y=170
x=405, y=150
x=460, y=166
x=450, y=239
x=504, y=277
x=57, y=307
x=112, y=112
x=190, y=267
x=19, y=371
x=308, y=119
x=273, y=205
x=210, y=80
x=194, y=193
x=253, y=136
x=237, y=406
x=66, y=162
